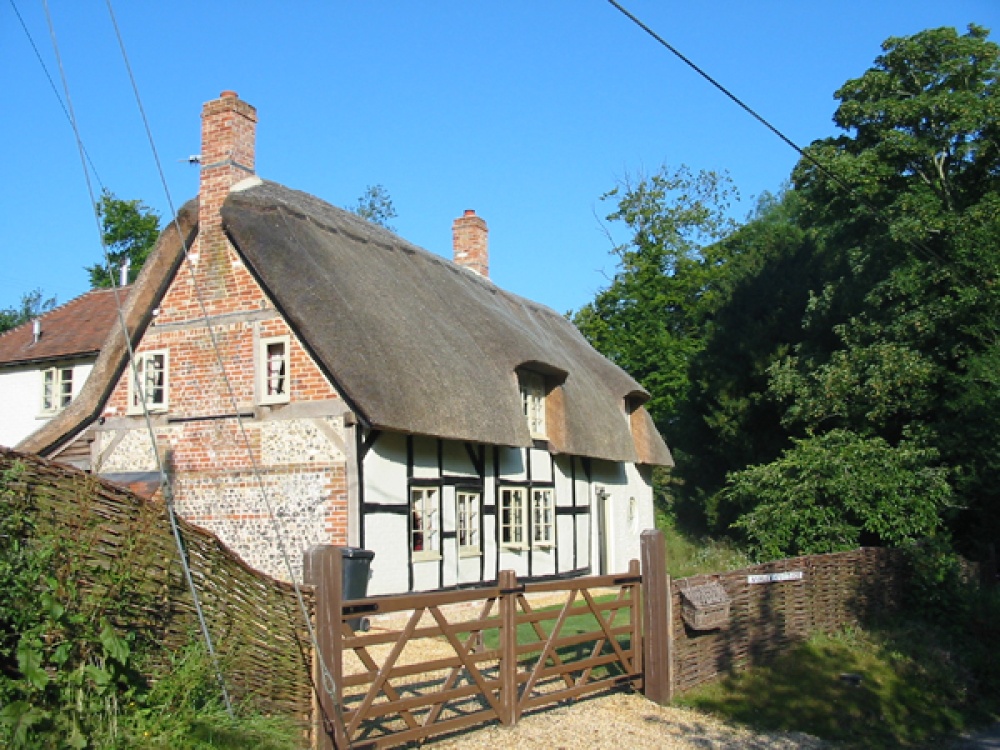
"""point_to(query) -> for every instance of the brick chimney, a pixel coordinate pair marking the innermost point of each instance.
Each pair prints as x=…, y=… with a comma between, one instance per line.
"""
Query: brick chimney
x=228, y=135
x=470, y=243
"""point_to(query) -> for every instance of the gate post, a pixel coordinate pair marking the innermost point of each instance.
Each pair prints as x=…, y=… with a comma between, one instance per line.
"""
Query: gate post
x=657, y=619
x=322, y=567
x=635, y=618
x=507, y=584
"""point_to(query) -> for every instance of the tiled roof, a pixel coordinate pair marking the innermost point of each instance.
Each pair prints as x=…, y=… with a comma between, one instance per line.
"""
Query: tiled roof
x=75, y=329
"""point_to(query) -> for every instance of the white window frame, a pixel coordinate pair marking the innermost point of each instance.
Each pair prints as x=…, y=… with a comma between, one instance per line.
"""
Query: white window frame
x=272, y=387
x=468, y=522
x=425, y=523
x=527, y=523
x=543, y=517
x=533, y=391
x=513, y=517
x=57, y=389
x=156, y=395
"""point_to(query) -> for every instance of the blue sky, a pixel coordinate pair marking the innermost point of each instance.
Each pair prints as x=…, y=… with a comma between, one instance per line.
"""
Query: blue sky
x=526, y=111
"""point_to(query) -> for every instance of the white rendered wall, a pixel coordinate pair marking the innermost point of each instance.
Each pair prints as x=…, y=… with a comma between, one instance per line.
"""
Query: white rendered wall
x=385, y=534
x=21, y=399
x=629, y=512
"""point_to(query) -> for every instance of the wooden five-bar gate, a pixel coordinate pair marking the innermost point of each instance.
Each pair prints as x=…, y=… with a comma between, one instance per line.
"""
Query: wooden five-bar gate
x=440, y=662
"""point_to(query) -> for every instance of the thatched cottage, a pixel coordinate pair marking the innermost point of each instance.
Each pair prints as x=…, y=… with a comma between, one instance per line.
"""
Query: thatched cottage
x=310, y=377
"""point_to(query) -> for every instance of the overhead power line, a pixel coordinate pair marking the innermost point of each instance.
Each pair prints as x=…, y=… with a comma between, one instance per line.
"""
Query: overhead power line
x=920, y=247
x=182, y=552
x=52, y=85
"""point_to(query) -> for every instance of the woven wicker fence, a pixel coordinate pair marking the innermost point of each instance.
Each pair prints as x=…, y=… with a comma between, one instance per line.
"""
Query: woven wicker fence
x=259, y=633
x=255, y=621
x=772, y=606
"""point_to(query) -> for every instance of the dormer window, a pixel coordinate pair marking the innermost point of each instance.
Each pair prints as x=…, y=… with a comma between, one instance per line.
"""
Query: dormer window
x=57, y=389
x=273, y=370
x=632, y=404
x=533, y=401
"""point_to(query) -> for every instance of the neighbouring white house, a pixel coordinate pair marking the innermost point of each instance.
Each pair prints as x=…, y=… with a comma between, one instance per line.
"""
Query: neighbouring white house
x=45, y=362
x=309, y=377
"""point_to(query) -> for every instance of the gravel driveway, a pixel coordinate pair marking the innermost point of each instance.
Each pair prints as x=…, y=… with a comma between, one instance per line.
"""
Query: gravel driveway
x=622, y=721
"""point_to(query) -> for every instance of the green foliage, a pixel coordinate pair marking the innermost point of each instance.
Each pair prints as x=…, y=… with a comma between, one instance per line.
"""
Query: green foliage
x=130, y=230
x=375, y=205
x=729, y=419
x=938, y=588
x=650, y=319
x=33, y=304
x=70, y=664
x=65, y=667
x=915, y=308
x=902, y=684
x=690, y=554
x=835, y=491
x=853, y=318
x=183, y=710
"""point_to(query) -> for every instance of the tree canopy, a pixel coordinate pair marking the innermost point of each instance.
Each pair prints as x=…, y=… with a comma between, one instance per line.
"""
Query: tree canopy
x=649, y=319
x=32, y=305
x=375, y=205
x=840, y=380
x=130, y=230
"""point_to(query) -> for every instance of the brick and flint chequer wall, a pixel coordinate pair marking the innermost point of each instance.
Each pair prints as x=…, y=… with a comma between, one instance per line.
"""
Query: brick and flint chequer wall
x=246, y=471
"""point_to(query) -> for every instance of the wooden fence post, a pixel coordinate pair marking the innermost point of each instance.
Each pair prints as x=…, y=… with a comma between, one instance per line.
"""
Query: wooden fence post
x=657, y=619
x=635, y=616
x=322, y=568
x=507, y=583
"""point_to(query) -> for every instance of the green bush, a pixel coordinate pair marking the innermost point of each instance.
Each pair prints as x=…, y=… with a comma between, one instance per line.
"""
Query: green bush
x=74, y=673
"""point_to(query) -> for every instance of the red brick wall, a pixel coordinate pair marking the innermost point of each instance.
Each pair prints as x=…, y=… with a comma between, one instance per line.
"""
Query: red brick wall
x=212, y=460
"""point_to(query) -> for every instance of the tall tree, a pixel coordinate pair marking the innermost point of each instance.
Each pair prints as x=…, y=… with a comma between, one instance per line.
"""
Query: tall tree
x=729, y=420
x=33, y=304
x=130, y=230
x=900, y=344
x=650, y=319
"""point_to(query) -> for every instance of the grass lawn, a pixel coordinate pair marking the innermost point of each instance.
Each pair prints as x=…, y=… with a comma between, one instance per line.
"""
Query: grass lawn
x=897, y=685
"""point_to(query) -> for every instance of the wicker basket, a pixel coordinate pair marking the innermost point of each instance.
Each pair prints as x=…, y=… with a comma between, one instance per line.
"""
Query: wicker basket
x=705, y=607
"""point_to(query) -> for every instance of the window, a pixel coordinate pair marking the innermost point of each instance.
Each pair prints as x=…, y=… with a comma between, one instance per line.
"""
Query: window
x=57, y=388
x=467, y=515
x=425, y=533
x=542, y=510
x=149, y=384
x=273, y=370
x=520, y=524
x=533, y=401
x=512, y=518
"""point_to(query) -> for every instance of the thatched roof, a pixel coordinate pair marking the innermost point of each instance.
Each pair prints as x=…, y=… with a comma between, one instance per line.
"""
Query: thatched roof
x=413, y=342
x=417, y=344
